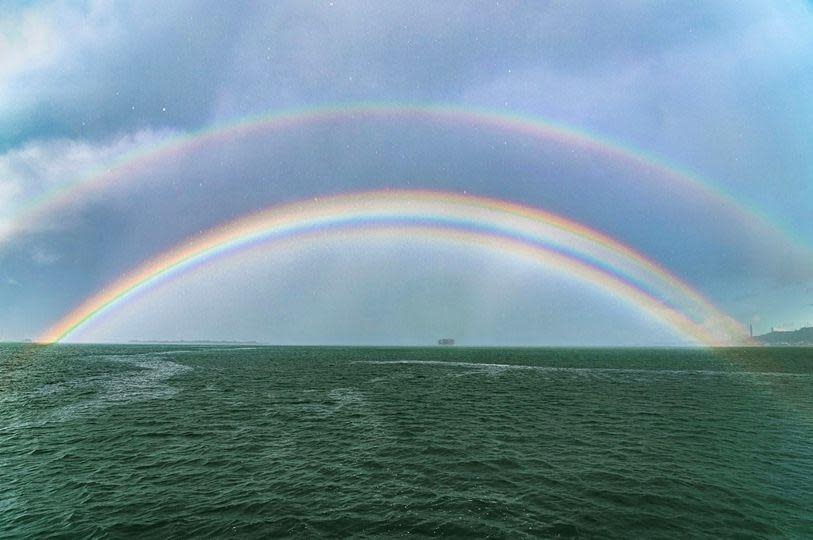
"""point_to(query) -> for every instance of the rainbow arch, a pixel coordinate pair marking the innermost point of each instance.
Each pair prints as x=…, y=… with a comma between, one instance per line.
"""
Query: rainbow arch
x=508, y=228
x=538, y=128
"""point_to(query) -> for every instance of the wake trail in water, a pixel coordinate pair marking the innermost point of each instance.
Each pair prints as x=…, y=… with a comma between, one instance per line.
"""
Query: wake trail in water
x=493, y=367
x=147, y=381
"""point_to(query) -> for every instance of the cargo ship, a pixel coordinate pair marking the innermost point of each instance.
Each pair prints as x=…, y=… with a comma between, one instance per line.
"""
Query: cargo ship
x=446, y=341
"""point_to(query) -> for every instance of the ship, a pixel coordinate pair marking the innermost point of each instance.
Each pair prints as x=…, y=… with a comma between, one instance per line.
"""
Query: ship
x=446, y=341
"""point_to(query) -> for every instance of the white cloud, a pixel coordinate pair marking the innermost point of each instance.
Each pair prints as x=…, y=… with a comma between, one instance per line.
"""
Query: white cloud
x=27, y=41
x=43, y=257
x=94, y=68
x=33, y=173
x=47, y=37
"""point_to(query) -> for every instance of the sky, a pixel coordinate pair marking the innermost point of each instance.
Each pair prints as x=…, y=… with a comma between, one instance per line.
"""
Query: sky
x=717, y=90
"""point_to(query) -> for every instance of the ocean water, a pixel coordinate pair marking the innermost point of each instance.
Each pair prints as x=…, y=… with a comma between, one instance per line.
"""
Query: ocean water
x=175, y=441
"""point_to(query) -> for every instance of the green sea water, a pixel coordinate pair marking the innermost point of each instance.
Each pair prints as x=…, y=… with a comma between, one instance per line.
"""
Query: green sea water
x=184, y=441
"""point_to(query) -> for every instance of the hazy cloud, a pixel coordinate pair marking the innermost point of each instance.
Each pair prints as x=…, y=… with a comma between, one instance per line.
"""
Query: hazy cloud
x=35, y=171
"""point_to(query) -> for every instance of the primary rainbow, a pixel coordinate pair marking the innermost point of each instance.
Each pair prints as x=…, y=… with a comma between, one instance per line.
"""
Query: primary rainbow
x=537, y=128
x=498, y=225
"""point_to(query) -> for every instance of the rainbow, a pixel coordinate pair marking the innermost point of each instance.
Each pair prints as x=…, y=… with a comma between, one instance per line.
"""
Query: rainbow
x=537, y=128
x=504, y=227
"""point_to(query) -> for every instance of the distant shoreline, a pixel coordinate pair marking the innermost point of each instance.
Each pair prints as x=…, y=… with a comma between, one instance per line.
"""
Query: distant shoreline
x=189, y=342
x=803, y=337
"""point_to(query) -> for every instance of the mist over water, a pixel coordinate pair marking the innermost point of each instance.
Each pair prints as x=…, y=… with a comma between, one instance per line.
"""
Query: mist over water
x=159, y=441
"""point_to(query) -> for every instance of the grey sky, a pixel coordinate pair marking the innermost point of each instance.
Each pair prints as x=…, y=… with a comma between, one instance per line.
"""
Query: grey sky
x=721, y=89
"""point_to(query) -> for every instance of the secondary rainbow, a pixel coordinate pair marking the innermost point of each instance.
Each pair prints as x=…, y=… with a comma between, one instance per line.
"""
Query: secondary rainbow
x=498, y=225
x=539, y=128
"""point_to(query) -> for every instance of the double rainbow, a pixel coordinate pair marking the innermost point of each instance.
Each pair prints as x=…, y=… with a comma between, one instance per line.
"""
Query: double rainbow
x=585, y=254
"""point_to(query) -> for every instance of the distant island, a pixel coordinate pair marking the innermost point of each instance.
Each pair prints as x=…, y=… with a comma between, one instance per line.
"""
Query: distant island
x=802, y=337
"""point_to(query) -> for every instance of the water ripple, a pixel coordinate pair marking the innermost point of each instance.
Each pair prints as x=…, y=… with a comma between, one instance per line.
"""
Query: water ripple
x=388, y=442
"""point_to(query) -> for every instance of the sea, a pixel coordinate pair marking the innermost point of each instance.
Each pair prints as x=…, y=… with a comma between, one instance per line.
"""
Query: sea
x=175, y=441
